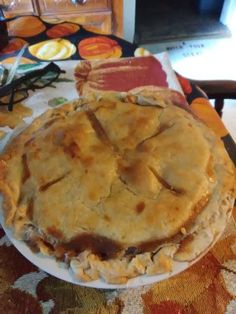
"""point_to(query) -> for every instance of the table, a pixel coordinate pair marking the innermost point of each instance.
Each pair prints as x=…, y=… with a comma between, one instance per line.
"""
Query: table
x=209, y=286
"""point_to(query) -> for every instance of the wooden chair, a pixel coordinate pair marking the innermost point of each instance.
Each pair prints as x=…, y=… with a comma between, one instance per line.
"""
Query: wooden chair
x=219, y=90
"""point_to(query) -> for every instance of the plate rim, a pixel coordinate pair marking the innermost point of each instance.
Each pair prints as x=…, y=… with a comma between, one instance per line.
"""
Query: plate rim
x=54, y=268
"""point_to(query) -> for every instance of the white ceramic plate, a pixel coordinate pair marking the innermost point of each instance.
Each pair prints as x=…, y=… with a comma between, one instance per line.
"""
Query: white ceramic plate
x=56, y=269
x=52, y=267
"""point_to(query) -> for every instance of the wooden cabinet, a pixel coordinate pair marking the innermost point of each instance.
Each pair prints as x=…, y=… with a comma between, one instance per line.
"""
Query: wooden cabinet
x=106, y=16
x=95, y=14
x=19, y=8
x=66, y=7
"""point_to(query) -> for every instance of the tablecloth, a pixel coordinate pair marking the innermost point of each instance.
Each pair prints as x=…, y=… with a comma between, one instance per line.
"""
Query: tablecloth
x=63, y=41
x=209, y=286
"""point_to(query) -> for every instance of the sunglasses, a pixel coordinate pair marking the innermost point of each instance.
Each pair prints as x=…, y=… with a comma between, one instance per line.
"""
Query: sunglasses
x=18, y=89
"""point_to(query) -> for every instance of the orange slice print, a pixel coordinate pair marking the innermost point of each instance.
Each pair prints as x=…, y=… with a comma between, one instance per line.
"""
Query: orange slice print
x=25, y=26
x=13, y=45
x=62, y=30
x=12, y=60
x=99, y=47
x=203, y=109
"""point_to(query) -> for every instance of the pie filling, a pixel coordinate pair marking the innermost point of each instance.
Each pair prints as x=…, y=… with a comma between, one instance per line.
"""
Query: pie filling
x=101, y=246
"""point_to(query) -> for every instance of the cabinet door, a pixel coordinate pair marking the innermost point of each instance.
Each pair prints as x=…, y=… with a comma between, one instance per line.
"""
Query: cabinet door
x=66, y=7
x=21, y=7
x=96, y=15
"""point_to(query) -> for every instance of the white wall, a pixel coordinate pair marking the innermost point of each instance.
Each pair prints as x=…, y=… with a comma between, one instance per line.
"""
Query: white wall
x=129, y=19
x=228, y=15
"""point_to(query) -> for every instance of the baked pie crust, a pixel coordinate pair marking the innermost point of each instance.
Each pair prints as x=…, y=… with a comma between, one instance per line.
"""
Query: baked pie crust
x=117, y=185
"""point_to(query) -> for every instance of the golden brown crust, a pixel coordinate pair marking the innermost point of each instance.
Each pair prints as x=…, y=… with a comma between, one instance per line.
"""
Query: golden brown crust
x=118, y=186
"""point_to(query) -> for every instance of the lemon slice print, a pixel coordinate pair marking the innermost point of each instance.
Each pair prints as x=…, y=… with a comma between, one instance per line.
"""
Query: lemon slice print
x=54, y=49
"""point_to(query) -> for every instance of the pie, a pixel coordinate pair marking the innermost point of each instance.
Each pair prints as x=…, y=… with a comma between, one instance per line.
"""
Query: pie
x=118, y=186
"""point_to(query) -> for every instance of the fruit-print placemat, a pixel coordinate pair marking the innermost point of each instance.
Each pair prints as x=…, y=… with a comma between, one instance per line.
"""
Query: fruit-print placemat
x=62, y=41
x=209, y=286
